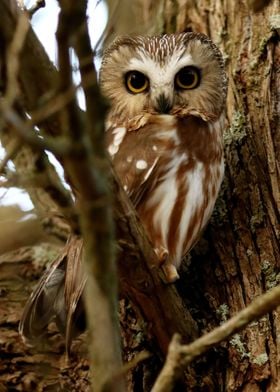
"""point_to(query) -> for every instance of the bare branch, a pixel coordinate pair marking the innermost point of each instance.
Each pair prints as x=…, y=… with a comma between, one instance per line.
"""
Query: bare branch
x=89, y=176
x=13, y=62
x=38, y=5
x=180, y=356
x=10, y=154
x=26, y=133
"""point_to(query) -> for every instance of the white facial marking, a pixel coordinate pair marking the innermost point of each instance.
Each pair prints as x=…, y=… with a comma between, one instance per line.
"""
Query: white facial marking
x=129, y=159
x=154, y=148
x=141, y=164
x=161, y=74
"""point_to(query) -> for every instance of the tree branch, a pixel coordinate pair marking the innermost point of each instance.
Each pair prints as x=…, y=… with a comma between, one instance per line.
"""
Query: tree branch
x=37, y=6
x=14, y=47
x=89, y=175
x=25, y=132
x=180, y=356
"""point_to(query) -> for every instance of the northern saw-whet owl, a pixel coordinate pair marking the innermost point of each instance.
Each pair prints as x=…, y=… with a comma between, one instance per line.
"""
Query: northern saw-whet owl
x=165, y=134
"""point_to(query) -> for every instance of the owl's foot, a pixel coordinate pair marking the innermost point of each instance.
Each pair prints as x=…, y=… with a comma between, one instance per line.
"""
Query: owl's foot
x=170, y=272
x=169, y=269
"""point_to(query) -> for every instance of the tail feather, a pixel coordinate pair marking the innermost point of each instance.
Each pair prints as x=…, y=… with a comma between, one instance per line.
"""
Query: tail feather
x=58, y=297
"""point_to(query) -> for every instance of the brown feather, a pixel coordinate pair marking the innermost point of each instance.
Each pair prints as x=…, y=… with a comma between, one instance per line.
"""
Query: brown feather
x=56, y=297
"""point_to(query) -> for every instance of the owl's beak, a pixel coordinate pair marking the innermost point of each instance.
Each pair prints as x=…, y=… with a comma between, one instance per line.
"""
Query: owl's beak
x=163, y=104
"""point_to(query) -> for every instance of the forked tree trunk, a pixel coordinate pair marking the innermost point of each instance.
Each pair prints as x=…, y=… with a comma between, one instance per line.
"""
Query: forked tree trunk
x=239, y=255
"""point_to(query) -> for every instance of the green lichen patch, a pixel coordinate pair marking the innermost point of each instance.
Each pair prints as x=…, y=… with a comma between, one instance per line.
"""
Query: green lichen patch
x=272, y=278
x=260, y=359
x=236, y=342
x=223, y=312
x=44, y=254
x=249, y=252
x=274, y=22
x=257, y=219
x=237, y=131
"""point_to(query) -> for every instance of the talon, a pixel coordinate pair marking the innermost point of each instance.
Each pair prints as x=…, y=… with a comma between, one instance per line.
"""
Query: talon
x=162, y=254
x=170, y=272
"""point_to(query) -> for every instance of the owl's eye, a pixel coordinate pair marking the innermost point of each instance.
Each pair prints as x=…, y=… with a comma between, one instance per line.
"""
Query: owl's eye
x=187, y=78
x=136, y=82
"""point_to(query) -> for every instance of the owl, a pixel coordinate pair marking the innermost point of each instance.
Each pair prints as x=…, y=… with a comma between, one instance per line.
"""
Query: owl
x=164, y=134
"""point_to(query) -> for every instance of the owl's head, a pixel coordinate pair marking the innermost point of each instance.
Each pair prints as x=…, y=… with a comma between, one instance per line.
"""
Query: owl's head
x=168, y=74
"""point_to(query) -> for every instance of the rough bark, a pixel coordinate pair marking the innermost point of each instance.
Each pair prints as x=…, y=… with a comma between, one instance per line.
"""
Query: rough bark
x=241, y=259
x=238, y=258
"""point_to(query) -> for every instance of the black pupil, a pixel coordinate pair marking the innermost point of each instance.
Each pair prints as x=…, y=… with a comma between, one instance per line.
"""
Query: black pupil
x=137, y=80
x=187, y=76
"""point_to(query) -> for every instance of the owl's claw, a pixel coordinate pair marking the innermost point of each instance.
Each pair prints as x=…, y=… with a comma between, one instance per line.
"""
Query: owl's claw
x=169, y=269
x=170, y=272
x=162, y=254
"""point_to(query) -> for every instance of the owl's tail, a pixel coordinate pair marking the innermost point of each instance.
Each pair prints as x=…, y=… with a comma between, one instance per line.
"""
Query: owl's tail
x=57, y=297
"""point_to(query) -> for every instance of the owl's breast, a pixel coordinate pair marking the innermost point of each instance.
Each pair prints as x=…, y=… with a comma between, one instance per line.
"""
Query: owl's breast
x=172, y=172
x=139, y=156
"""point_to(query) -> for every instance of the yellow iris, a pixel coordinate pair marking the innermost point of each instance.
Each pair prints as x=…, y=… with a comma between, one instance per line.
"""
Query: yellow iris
x=187, y=78
x=136, y=82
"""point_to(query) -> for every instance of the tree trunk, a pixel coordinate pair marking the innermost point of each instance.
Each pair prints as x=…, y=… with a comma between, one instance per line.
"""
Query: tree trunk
x=242, y=259
x=238, y=257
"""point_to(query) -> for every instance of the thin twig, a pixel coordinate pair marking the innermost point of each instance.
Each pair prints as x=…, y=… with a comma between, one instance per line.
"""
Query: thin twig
x=89, y=176
x=26, y=133
x=13, y=62
x=13, y=65
x=58, y=102
x=10, y=154
x=180, y=356
x=108, y=29
x=38, y=5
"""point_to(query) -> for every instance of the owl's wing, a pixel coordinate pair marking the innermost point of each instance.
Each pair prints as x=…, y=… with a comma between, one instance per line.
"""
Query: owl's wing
x=136, y=159
x=143, y=182
x=57, y=297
